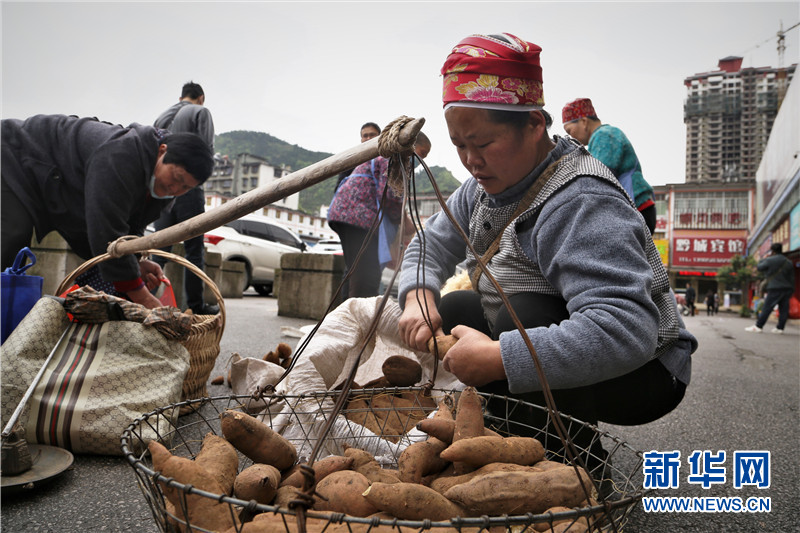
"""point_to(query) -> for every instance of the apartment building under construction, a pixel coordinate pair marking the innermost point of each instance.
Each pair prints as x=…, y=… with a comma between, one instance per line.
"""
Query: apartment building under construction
x=728, y=115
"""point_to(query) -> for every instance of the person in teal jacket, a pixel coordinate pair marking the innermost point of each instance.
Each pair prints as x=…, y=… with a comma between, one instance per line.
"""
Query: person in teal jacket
x=612, y=147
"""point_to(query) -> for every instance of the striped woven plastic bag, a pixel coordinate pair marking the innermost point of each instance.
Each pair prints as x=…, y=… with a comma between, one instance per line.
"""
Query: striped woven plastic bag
x=101, y=378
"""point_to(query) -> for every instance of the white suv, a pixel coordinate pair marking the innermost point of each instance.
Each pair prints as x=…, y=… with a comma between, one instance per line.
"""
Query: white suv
x=327, y=246
x=258, y=242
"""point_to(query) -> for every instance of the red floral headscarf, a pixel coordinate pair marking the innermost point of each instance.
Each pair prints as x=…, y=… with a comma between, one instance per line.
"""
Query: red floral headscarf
x=498, y=71
x=577, y=109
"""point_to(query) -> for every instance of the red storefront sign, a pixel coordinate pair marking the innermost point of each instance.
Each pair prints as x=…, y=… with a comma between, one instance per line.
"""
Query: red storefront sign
x=705, y=252
x=707, y=273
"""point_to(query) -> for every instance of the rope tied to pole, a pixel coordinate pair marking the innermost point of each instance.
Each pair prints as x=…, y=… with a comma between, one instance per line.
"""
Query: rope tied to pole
x=399, y=154
x=113, y=250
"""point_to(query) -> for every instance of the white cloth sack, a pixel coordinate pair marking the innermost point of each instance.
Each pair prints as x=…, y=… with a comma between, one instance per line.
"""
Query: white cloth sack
x=325, y=363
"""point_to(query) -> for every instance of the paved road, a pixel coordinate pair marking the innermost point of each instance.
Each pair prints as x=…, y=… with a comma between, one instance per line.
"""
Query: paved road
x=745, y=395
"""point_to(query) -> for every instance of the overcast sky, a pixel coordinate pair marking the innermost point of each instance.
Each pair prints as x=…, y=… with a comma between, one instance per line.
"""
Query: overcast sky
x=310, y=73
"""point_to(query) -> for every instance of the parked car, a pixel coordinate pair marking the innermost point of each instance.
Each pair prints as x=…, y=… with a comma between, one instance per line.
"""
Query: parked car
x=258, y=242
x=327, y=246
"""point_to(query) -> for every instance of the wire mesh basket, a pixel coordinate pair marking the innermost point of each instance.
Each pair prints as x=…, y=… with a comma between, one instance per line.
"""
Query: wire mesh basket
x=301, y=419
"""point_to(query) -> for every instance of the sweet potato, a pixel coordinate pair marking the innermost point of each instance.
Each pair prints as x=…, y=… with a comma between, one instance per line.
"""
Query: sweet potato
x=220, y=459
x=257, y=440
x=410, y=501
x=419, y=398
x=513, y=493
x=544, y=464
x=443, y=342
x=390, y=419
x=402, y=371
x=377, y=383
x=219, y=380
x=170, y=509
x=382, y=515
x=278, y=523
x=374, y=473
x=272, y=357
x=284, y=350
x=261, y=526
x=360, y=457
x=286, y=494
x=469, y=422
x=479, y=451
x=443, y=429
x=364, y=463
x=579, y=525
x=421, y=459
x=196, y=510
x=443, y=483
x=360, y=412
x=575, y=524
x=400, y=414
x=321, y=467
x=343, y=493
x=257, y=482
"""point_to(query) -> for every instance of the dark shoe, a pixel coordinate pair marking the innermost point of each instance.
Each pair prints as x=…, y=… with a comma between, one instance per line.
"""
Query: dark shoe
x=206, y=309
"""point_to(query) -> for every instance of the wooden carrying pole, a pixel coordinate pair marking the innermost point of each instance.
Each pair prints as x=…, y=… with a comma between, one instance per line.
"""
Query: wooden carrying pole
x=265, y=195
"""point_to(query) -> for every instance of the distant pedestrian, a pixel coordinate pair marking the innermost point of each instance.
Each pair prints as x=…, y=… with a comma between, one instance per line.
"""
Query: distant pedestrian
x=710, y=303
x=779, y=273
x=189, y=115
x=716, y=302
x=691, y=295
x=370, y=130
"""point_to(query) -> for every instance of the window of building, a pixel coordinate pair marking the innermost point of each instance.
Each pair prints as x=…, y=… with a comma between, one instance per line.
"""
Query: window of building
x=718, y=209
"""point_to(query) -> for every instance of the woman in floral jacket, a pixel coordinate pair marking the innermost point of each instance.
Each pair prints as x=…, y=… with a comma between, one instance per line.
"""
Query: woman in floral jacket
x=357, y=202
x=354, y=208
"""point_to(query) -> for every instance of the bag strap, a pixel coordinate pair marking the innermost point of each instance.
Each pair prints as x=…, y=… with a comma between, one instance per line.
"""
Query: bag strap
x=524, y=204
x=17, y=269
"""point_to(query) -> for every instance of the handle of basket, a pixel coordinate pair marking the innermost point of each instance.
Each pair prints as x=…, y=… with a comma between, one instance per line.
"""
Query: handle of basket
x=70, y=279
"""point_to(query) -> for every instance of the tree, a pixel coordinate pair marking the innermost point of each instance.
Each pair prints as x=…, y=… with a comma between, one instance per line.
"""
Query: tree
x=738, y=275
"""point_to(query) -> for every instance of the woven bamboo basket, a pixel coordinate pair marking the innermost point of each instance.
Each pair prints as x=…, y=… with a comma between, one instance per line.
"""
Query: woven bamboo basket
x=206, y=333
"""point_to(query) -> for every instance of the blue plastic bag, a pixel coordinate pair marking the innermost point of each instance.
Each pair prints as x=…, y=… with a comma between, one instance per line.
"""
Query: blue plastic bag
x=19, y=292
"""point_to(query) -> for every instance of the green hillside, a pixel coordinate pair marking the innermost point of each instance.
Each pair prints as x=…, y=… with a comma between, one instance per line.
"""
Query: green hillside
x=279, y=152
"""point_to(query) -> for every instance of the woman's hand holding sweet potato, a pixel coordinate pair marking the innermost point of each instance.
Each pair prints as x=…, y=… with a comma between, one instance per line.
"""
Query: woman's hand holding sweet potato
x=414, y=329
x=475, y=358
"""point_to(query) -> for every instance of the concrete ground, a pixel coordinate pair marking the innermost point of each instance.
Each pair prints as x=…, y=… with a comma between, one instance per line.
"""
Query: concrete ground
x=744, y=395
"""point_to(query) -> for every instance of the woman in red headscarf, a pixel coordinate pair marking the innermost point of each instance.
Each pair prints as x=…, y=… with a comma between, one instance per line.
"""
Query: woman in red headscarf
x=564, y=242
